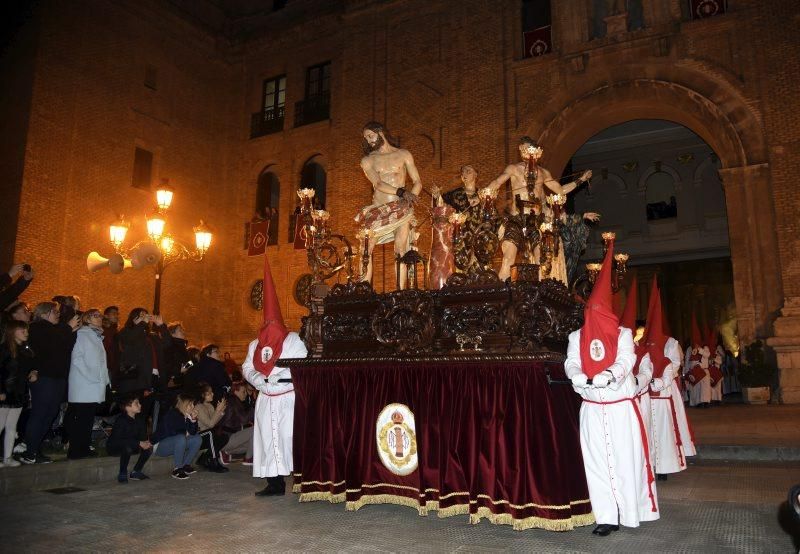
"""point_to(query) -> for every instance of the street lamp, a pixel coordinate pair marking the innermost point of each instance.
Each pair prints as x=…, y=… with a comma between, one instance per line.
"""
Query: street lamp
x=117, y=232
x=167, y=248
x=164, y=194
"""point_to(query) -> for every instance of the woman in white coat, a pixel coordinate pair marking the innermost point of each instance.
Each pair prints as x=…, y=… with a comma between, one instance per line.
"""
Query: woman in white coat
x=88, y=378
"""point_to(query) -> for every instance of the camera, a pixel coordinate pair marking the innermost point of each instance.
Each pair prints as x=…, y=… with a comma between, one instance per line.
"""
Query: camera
x=26, y=267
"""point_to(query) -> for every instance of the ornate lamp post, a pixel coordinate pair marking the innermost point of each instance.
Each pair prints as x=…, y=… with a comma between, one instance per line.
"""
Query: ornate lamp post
x=161, y=248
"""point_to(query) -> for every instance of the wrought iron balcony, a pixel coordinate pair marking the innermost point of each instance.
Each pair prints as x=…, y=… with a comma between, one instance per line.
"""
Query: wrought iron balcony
x=266, y=122
x=312, y=109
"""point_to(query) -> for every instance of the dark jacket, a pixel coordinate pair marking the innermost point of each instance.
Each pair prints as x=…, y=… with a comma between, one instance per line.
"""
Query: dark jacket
x=112, y=348
x=175, y=355
x=9, y=294
x=126, y=429
x=173, y=423
x=237, y=416
x=210, y=371
x=139, y=352
x=52, y=348
x=14, y=376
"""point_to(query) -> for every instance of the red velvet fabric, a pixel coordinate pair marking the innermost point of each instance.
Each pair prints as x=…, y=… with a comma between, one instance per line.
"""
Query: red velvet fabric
x=489, y=434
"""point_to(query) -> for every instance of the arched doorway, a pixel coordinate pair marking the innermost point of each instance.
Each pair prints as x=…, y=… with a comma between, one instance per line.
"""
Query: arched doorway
x=656, y=185
x=728, y=126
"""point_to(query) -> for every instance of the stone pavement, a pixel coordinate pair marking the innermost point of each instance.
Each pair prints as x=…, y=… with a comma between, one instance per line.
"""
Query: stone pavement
x=712, y=507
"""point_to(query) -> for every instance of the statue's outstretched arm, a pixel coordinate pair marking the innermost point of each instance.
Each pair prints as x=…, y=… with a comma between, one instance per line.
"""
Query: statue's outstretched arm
x=504, y=176
x=557, y=188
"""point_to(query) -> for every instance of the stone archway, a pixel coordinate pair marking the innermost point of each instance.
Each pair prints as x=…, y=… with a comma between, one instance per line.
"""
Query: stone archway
x=734, y=134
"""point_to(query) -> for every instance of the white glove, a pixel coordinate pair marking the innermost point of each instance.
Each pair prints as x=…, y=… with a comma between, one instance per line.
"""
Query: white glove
x=601, y=380
x=657, y=385
x=580, y=380
x=273, y=379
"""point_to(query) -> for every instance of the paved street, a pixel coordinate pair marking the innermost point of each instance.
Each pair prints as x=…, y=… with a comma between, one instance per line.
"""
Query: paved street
x=710, y=508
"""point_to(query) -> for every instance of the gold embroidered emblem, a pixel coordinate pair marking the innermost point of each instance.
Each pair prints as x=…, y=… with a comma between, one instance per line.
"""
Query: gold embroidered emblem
x=397, y=439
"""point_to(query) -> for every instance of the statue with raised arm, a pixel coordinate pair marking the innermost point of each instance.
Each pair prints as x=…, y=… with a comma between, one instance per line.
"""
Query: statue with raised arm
x=530, y=185
x=391, y=214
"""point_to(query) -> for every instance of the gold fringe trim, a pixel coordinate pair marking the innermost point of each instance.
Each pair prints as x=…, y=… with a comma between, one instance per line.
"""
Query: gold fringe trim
x=297, y=488
x=329, y=496
x=352, y=506
x=531, y=504
x=532, y=522
x=390, y=485
x=340, y=483
x=457, y=510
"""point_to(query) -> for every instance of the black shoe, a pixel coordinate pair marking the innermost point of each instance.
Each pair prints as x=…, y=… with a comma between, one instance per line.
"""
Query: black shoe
x=122, y=478
x=661, y=476
x=603, y=530
x=188, y=469
x=217, y=467
x=35, y=459
x=276, y=486
x=178, y=473
x=138, y=476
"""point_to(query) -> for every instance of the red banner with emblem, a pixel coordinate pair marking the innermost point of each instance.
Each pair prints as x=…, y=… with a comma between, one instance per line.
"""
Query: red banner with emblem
x=538, y=42
x=257, y=237
x=701, y=9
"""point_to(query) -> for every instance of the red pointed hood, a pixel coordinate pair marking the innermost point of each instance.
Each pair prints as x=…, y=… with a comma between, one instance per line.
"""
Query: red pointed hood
x=697, y=340
x=711, y=340
x=655, y=339
x=600, y=331
x=273, y=331
x=628, y=318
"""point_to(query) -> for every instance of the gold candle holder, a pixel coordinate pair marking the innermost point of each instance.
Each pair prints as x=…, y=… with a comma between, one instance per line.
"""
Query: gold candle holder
x=593, y=269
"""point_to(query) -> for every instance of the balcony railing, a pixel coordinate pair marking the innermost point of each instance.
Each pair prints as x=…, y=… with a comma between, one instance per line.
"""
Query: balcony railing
x=266, y=122
x=312, y=109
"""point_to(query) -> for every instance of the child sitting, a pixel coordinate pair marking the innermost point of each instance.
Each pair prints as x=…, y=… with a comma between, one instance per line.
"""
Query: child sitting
x=129, y=436
x=177, y=436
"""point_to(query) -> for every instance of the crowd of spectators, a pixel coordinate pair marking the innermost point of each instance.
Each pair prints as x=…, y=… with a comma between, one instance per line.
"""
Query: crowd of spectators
x=72, y=379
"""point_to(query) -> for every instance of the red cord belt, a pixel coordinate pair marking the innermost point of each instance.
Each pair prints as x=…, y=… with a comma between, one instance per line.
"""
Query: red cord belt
x=650, y=478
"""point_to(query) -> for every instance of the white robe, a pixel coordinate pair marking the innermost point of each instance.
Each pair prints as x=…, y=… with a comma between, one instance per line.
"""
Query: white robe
x=689, y=448
x=611, y=441
x=700, y=393
x=667, y=456
x=274, y=418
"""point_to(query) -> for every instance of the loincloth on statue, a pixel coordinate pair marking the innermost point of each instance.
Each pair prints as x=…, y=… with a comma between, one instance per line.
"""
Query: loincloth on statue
x=384, y=219
x=516, y=227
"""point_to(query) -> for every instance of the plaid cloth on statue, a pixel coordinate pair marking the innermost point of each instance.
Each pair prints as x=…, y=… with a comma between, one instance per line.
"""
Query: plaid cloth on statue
x=383, y=219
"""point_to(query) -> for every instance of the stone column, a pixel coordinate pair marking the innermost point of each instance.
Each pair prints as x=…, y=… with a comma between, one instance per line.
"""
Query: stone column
x=754, y=252
x=786, y=343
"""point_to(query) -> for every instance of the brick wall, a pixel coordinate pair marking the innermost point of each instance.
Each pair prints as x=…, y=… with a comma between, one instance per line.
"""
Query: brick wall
x=445, y=77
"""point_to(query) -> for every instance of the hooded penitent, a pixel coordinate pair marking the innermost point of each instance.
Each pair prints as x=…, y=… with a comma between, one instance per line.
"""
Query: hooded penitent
x=273, y=331
x=654, y=338
x=600, y=330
